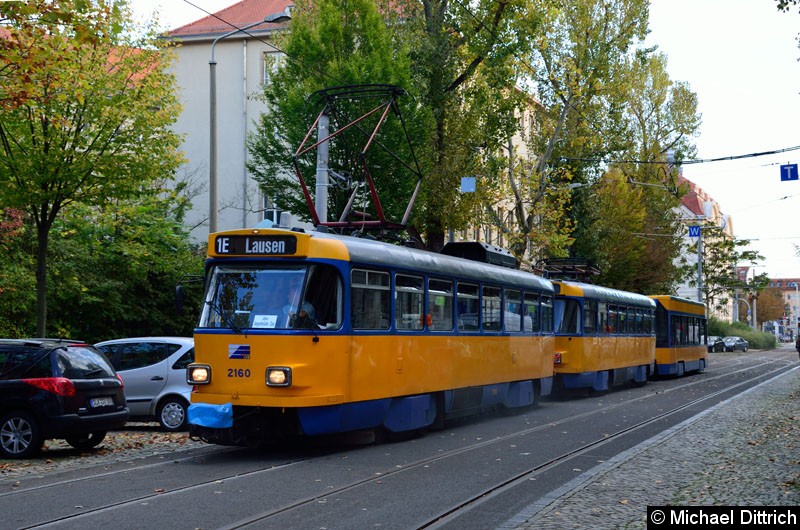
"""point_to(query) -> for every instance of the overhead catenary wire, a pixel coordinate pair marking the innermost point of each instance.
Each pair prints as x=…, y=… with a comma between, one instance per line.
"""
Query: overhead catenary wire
x=683, y=162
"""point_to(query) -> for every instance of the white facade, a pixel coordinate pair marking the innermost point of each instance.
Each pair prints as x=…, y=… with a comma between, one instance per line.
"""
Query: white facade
x=240, y=74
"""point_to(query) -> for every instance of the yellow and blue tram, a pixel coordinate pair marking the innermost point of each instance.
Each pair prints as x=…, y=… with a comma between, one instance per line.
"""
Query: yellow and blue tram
x=680, y=335
x=312, y=333
x=604, y=337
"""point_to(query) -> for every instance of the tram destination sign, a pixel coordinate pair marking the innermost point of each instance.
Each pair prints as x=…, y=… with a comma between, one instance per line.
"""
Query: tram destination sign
x=255, y=245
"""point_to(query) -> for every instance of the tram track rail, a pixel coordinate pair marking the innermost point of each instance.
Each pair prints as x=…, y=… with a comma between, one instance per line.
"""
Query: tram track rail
x=565, y=458
x=765, y=370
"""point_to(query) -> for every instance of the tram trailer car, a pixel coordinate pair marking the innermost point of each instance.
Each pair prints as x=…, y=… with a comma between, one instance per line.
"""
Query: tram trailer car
x=393, y=338
x=604, y=337
x=681, y=331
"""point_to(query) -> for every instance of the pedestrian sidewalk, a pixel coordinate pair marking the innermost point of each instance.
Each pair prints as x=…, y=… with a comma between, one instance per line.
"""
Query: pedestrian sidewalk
x=743, y=452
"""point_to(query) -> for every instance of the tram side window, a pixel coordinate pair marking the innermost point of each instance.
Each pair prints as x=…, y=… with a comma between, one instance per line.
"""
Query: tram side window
x=370, y=299
x=640, y=322
x=468, y=304
x=662, y=328
x=547, y=314
x=649, y=322
x=678, y=330
x=513, y=311
x=324, y=293
x=440, y=304
x=531, y=312
x=590, y=317
x=409, y=295
x=491, y=309
x=631, y=321
x=613, y=319
x=684, y=330
x=602, y=318
x=695, y=332
x=622, y=319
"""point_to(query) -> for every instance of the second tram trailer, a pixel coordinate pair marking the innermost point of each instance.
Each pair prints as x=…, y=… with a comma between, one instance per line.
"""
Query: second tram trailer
x=604, y=337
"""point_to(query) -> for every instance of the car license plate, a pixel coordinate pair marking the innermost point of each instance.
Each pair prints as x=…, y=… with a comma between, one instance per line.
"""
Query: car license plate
x=101, y=402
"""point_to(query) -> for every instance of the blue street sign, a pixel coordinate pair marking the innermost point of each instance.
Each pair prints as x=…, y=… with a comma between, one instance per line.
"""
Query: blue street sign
x=789, y=172
x=467, y=184
x=694, y=231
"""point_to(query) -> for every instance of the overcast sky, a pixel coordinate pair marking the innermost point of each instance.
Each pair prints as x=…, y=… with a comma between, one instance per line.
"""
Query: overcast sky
x=741, y=58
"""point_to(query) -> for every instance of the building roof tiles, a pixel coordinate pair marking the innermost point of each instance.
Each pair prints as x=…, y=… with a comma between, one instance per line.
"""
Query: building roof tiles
x=236, y=16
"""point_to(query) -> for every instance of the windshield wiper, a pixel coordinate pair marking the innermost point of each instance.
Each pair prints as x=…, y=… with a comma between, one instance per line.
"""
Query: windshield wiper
x=224, y=318
x=95, y=372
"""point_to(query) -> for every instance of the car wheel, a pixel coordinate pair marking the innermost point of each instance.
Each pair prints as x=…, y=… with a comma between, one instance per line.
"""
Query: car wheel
x=744, y=350
x=172, y=414
x=86, y=441
x=20, y=436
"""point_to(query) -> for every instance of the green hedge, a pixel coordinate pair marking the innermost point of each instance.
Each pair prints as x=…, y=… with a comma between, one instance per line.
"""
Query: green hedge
x=757, y=339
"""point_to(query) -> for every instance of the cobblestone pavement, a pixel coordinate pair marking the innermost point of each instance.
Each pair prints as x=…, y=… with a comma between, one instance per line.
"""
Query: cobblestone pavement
x=744, y=452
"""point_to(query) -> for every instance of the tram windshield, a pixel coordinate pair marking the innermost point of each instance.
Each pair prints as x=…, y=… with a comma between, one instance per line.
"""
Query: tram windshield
x=264, y=296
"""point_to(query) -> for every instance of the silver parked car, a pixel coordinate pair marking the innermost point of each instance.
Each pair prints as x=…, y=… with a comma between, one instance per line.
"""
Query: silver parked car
x=154, y=372
x=733, y=343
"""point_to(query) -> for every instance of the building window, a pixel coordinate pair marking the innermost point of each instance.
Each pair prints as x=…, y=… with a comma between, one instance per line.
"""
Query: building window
x=270, y=63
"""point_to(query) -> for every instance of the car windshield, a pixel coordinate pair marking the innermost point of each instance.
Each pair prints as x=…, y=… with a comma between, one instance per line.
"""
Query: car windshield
x=82, y=362
x=266, y=296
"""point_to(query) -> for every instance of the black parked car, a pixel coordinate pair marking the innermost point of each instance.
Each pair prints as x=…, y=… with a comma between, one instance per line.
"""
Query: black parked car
x=734, y=343
x=56, y=389
x=715, y=344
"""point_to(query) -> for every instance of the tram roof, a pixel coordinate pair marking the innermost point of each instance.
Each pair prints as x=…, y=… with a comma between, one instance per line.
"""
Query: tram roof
x=283, y=243
x=676, y=303
x=371, y=252
x=599, y=292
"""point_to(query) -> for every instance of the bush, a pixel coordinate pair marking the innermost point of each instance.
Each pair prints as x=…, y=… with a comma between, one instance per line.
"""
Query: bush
x=757, y=339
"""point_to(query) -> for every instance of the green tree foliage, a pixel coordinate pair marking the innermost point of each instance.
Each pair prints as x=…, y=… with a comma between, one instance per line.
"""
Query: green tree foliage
x=335, y=44
x=17, y=286
x=619, y=224
x=113, y=269
x=661, y=119
x=466, y=71
x=784, y=5
x=721, y=255
x=576, y=68
x=86, y=116
x=122, y=261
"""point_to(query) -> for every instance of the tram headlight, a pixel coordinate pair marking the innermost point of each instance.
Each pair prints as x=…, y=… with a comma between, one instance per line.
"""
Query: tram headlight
x=279, y=376
x=198, y=374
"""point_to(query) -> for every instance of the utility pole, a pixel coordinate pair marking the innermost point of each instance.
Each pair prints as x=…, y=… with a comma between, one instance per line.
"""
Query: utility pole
x=321, y=190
